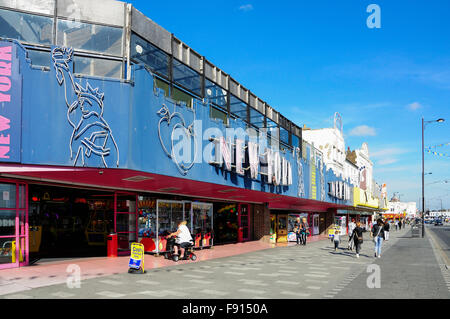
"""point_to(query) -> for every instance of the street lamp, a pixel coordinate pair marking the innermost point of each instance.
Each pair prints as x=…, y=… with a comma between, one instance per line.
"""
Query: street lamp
x=423, y=171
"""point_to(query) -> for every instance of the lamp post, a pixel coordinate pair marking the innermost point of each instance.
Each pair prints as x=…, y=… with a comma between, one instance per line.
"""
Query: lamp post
x=423, y=171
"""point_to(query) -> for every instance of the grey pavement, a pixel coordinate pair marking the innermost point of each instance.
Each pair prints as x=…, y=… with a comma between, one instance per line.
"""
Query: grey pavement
x=411, y=269
x=293, y=272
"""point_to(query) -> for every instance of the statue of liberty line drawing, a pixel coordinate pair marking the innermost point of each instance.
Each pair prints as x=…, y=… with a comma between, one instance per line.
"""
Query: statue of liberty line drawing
x=91, y=134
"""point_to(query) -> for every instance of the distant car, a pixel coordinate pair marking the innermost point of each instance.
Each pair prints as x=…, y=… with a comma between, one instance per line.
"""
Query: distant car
x=438, y=222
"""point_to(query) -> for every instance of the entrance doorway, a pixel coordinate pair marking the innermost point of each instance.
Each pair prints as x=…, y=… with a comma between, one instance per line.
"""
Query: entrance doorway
x=13, y=224
x=72, y=223
x=243, y=223
x=125, y=221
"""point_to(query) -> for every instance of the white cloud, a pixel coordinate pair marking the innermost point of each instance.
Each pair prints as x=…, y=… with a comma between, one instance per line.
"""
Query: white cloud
x=414, y=106
x=385, y=152
x=246, y=7
x=387, y=161
x=362, y=130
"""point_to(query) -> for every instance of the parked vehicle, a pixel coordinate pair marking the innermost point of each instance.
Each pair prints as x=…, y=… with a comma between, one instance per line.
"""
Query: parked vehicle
x=438, y=222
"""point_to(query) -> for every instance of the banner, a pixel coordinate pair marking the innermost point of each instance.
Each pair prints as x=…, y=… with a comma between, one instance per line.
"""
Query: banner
x=10, y=104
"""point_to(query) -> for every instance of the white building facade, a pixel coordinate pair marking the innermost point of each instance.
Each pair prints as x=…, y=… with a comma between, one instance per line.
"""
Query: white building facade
x=331, y=142
x=397, y=207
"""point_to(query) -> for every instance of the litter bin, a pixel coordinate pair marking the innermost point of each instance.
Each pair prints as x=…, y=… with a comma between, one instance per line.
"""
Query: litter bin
x=111, y=245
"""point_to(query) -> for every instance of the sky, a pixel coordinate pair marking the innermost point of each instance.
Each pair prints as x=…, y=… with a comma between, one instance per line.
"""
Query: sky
x=310, y=59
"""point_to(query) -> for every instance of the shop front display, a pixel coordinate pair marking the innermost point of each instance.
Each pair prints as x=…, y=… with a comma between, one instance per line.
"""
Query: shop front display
x=316, y=226
x=273, y=228
x=226, y=223
x=158, y=218
x=340, y=223
x=292, y=220
x=202, y=221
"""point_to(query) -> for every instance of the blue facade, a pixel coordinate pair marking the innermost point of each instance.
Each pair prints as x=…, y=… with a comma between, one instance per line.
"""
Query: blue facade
x=104, y=122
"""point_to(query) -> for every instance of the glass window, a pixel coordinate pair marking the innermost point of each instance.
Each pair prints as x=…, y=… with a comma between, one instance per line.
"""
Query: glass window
x=160, y=84
x=97, y=67
x=8, y=196
x=187, y=77
x=284, y=136
x=180, y=96
x=272, y=128
x=256, y=118
x=238, y=108
x=217, y=113
x=26, y=27
x=90, y=37
x=215, y=94
x=40, y=58
x=145, y=52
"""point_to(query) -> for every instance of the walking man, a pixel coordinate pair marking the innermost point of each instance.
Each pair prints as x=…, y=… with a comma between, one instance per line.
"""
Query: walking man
x=351, y=227
x=386, y=230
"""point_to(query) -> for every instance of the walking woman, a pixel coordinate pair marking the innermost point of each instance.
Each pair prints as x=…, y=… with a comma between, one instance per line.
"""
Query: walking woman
x=378, y=236
x=304, y=230
x=358, y=237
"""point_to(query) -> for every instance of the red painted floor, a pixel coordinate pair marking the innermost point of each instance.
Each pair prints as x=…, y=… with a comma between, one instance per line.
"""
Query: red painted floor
x=57, y=272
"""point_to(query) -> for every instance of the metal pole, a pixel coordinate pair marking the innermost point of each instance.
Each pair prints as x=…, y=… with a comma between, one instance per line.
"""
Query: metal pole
x=423, y=183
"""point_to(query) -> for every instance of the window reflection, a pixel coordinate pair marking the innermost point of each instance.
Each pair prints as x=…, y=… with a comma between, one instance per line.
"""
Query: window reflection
x=187, y=77
x=215, y=94
x=90, y=37
x=143, y=51
x=40, y=58
x=238, y=108
x=97, y=67
x=256, y=118
x=180, y=96
x=217, y=113
x=26, y=27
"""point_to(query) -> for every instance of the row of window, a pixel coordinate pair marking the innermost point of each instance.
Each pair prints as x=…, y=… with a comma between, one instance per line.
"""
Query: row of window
x=187, y=83
x=219, y=98
x=36, y=29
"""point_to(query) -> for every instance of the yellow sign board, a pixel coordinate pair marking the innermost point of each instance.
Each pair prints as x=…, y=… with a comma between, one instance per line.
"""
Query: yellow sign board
x=137, y=256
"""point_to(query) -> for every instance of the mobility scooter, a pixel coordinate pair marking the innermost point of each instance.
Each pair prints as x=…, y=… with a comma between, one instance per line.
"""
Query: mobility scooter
x=188, y=253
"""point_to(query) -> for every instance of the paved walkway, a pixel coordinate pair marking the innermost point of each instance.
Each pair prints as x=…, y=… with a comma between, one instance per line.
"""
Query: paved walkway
x=55, y=272
x=411, y=269
x=311, y=271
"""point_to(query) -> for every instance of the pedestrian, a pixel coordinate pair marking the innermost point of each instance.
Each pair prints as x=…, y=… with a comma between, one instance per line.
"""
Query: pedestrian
x=358, y=237
x=336, y=238
x=396, y=224
x=386, y=230
x=400, y=224
x=378, y=237
x=297, y=227
x=351, y=227
x=304, y=230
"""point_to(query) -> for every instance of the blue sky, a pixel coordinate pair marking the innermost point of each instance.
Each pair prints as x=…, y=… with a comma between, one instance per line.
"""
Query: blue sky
x=309, y=59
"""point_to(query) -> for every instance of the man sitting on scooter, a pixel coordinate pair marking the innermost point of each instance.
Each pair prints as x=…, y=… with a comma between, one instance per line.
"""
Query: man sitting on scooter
x=183, y=237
